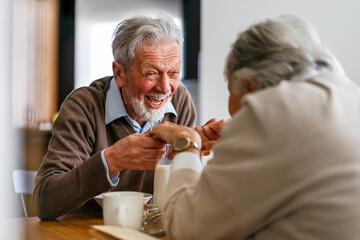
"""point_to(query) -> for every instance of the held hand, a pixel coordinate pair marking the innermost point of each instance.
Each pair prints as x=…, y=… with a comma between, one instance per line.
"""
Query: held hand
x=136, y=151
x=210, y=134
x=170, y=132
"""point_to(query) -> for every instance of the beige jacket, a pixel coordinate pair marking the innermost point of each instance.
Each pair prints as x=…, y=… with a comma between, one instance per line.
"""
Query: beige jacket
x=287, y=167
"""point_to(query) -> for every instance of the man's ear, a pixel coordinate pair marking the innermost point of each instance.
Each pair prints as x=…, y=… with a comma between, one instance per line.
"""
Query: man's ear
x=119, y=73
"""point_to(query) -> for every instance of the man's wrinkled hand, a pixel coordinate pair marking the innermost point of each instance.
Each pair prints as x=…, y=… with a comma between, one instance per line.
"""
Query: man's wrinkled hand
x=136, y=151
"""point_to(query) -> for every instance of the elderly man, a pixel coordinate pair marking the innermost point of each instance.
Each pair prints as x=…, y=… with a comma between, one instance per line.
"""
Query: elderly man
x=288, y=163
x=98, y=143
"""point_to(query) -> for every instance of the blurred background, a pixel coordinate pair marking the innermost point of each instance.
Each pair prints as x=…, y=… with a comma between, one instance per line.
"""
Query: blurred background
x=50, y=47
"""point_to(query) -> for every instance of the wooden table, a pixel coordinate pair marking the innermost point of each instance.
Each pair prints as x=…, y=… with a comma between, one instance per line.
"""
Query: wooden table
x=69, y=226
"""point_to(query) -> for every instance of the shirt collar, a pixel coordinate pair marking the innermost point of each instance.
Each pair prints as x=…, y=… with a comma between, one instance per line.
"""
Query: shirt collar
x=115, y=108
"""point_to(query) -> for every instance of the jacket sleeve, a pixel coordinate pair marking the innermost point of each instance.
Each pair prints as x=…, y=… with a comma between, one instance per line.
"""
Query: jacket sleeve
x=282, y=172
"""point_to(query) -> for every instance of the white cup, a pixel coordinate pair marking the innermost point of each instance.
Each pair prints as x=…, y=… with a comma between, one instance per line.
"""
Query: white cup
x=123, y=209
x=161, y=178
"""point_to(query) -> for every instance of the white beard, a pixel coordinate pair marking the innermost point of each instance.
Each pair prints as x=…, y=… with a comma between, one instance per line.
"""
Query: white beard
x=149, y=115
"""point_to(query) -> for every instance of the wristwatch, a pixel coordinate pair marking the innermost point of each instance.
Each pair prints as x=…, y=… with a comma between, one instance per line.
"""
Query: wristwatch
x=181, y=144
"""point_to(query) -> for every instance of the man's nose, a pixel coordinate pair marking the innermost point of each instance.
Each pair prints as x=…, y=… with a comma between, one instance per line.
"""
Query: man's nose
x=163, y=84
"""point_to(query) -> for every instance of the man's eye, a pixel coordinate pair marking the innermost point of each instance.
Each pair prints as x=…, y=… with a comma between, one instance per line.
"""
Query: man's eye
x=150, y=74
x=174, y=73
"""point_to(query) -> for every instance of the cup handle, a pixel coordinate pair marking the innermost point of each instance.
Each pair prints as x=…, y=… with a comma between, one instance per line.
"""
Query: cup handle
x=122, y=215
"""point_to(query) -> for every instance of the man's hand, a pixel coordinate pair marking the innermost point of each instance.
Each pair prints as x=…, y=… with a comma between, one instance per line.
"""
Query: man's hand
x=210, y=134
x=136, y=151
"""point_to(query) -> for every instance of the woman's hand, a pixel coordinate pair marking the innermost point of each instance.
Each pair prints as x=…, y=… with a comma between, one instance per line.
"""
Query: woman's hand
x=210, y=134
x=170, y=132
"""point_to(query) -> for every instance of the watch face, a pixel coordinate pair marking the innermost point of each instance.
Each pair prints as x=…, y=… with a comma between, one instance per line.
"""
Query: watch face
x=181, y=144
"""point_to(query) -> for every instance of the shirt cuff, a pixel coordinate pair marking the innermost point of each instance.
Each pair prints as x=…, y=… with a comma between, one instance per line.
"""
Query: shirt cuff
x=187, y=160
x=114, y=180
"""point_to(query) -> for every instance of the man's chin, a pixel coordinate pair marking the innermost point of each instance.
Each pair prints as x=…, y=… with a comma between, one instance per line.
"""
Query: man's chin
x=146, y=112
x=154, y=115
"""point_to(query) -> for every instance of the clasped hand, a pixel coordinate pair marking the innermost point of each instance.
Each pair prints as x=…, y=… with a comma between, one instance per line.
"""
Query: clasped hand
x=144, y=151
x=210, y=134
x=206, y=136
x=136, y=151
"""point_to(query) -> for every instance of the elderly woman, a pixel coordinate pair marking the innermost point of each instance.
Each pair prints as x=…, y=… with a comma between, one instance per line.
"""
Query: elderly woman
x=288, y=162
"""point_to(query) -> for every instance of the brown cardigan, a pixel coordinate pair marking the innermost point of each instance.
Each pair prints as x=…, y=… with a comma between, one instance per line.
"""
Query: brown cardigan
x=72, y=172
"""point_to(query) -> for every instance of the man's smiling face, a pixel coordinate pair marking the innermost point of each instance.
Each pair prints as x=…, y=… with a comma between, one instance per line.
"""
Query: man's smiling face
x=151, y=80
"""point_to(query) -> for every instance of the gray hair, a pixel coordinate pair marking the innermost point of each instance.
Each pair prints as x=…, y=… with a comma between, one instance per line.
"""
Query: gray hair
x=133, y=31
x=282, y=48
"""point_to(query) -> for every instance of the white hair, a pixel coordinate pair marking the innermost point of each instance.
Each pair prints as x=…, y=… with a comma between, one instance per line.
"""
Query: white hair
x=131, y=32
x=277, y=49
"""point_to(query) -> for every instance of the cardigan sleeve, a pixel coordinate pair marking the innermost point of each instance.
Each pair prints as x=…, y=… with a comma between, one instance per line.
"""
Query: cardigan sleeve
x=71, y=173
x=184, y=107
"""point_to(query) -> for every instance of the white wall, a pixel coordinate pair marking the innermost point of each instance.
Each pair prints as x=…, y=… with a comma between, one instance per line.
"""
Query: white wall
x=95, y=23
x=8, y=203
x=336, y=20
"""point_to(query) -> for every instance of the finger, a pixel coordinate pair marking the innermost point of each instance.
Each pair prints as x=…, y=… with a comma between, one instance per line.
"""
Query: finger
x=210, y=121
x=147, y=160
x=205, y=153
x=207, y=146
x=152, y=142
x=164, y=131
x=210, y=133
x=149, y=133
x=152, y=159
x=217, y=126
x=200, y=131
x=154, y=152
x=151, y=153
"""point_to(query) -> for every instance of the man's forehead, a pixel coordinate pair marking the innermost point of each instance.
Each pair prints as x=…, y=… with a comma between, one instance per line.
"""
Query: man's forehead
x=169, y=64
x=147, y=46
x=168, y=52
